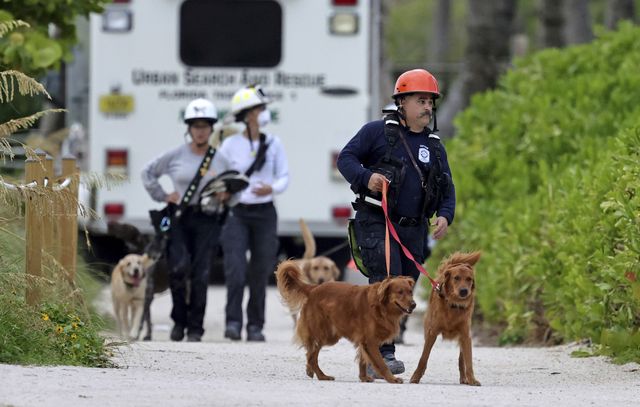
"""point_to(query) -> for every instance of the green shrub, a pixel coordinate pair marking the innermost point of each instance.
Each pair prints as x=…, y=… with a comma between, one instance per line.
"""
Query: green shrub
x=548, y=184
x=64, y=329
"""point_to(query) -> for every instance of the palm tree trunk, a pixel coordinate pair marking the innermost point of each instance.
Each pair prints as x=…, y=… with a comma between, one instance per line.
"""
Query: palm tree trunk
x=619, y=10
x=578, y=22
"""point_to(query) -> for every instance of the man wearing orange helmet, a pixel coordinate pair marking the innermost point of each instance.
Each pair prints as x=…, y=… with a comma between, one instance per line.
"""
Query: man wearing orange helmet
x=404, y=151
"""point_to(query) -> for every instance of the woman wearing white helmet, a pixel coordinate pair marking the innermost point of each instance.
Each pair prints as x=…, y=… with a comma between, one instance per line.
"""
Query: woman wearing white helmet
x=193, y=234
x=252, y=224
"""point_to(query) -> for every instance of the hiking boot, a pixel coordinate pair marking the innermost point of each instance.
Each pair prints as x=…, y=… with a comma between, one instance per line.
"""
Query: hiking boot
x=177, y=333
x=232, y=332
x=396, y=366
x=194, y=338
x=254, y=334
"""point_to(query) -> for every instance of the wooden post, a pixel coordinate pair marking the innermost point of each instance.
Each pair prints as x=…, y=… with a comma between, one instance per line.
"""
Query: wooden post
x=33, y=233
x=68, y=226
x=48, y=207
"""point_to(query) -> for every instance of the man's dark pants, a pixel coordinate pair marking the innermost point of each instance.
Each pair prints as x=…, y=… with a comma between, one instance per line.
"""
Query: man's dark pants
x=253, y=228
x=192, y=241
x=370, y=234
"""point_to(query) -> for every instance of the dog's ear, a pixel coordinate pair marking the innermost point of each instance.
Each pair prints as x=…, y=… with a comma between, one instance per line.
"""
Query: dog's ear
x=118, y=268
x=383, y=290
x=411, y=282
x=305, y=265
x=445, y=284
x=335, y=271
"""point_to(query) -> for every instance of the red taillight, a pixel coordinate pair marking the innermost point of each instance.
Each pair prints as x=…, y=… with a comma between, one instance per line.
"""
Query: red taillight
x=345, y=2
x=117, y=157
x=341, y=212
x=117, y=162
x=112, y=210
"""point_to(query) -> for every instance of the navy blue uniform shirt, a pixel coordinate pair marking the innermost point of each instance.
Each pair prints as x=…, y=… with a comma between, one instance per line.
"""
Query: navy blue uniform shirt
x=369, y=145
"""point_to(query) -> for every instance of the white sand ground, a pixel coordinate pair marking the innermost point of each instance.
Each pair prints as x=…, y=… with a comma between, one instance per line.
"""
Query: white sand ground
x=218, y=372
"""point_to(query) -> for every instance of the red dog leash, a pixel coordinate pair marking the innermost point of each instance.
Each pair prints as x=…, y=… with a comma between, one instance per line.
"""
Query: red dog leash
x=387, y=246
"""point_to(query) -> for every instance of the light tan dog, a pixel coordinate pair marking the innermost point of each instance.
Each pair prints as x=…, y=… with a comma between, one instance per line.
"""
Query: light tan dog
x=315, y=269
x=449, y=313
x=366, y=315
x=128, y=285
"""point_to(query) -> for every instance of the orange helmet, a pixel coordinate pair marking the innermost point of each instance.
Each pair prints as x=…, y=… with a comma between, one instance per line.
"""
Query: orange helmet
x=416, y=80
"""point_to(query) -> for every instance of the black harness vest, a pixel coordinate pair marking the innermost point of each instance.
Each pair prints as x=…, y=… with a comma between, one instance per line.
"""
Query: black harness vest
x=435, y=180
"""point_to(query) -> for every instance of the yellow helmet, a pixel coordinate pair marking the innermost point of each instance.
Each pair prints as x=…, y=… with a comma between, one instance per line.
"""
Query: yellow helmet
x=247, y=98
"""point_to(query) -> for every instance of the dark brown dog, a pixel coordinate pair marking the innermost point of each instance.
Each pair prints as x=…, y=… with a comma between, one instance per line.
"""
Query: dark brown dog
x=449, y=313
x=365, y=315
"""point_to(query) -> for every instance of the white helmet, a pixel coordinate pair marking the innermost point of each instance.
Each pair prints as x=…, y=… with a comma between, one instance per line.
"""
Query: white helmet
x=248, y=97
x=200, y=109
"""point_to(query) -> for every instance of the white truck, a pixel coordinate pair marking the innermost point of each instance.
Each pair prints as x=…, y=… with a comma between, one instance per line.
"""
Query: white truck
x=317, y=59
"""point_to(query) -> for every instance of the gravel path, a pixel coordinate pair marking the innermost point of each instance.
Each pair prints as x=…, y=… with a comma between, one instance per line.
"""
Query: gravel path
x=218, y=372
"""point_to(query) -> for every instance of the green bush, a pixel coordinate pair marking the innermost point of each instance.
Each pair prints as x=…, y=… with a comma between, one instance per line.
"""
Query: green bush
x=64, y=329
x=548, y=183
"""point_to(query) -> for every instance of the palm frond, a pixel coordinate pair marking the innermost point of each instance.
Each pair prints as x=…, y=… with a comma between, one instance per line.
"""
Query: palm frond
x=24, y=122
x=8, y=26
x=26, y=85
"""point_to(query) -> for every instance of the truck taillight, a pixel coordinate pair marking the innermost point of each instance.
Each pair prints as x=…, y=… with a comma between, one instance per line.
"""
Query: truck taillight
x=117, y=162
x=343, y=24
x=341, y=213
x=114, y=210
x=117, y=20
x=345, y=2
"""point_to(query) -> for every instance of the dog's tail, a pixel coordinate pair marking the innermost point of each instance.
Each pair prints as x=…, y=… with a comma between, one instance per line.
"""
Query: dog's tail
x=293, y=290
x=309, y=241
x=459, y=258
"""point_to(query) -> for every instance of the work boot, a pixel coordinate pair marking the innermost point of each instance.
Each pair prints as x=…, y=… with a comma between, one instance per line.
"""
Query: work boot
x=396, y=366
x=254, y=334
x=177, y=333
x=232, y=332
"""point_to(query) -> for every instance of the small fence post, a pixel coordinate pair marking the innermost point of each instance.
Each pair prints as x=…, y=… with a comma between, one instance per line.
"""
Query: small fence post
x=68, y=220
x=33, y=232
x=48, y=207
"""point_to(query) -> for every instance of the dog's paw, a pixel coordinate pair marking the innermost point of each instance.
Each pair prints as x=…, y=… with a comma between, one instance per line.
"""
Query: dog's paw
x=325, y=377
x=309, y=372
x=470, y=382
x=396, y=380
x=366, y=379
x=414, y=380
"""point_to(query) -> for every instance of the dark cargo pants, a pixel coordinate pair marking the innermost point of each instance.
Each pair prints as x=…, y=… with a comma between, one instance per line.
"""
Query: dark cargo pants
x=252, y=228
x=369, y=229
x=192, y=241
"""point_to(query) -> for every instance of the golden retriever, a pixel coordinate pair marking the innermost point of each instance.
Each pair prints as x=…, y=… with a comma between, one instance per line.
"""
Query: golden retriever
x=368, y=316
x=316, y=269
x=449, y=313
x=128, y=286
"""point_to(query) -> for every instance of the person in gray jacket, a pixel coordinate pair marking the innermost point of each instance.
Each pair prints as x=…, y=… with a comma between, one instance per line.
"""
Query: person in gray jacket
x=195, y=235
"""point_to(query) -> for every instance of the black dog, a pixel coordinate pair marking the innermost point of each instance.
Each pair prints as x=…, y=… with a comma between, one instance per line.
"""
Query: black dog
x=157, y=274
